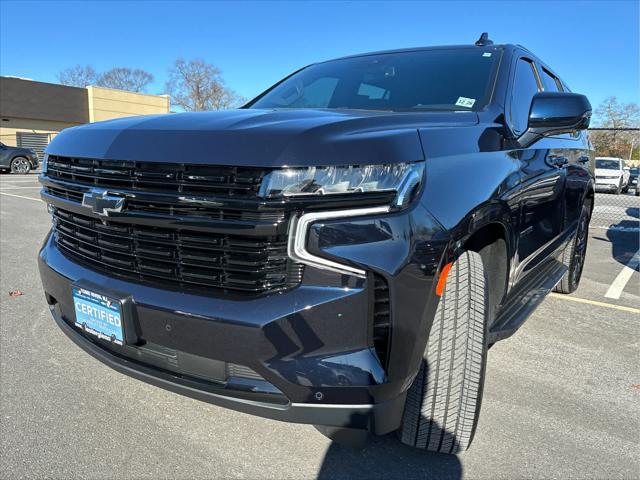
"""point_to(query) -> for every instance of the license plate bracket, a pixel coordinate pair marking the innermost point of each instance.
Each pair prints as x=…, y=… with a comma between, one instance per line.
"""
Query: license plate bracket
x=99, y=315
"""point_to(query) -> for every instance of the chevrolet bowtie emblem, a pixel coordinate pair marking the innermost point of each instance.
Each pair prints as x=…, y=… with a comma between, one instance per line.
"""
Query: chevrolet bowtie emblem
x=100, y=202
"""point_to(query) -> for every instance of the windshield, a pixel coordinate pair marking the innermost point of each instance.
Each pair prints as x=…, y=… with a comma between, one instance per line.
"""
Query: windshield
x=447, y=79
x=607, y=164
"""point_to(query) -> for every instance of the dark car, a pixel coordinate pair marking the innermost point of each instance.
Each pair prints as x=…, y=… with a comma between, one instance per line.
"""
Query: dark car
x=17, y=159
x=341, y=251
x=634, y=172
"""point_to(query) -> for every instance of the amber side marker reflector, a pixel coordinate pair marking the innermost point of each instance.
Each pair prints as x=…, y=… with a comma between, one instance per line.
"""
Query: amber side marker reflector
x=443, y=278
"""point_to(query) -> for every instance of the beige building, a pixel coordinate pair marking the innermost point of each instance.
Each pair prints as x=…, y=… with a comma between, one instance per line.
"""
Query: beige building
x=32, y=113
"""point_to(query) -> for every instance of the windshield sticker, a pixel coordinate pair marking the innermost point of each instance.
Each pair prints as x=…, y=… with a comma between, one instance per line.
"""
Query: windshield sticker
x=486, y=54
x=465, y=102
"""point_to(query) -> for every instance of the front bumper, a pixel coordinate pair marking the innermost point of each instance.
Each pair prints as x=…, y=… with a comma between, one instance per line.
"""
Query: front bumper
x=311, y=346
x=603, y=183
x=382, y=416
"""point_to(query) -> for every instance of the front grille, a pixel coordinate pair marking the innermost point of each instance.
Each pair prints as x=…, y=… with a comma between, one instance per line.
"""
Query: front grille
x=158, y=177
x=179, y=256
x=66, y=193
x=174, y=207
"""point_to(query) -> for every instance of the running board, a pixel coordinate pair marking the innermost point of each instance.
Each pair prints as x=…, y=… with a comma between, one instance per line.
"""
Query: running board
x=525, y=299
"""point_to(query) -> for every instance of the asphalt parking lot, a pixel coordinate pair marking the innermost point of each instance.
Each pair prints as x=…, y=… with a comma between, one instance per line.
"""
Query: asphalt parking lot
x=560, y=401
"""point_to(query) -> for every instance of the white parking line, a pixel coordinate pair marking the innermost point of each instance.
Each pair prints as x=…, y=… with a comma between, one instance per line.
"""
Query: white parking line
x=18, y=188
x=616, y=288
x=9, y=181
x=21, y=196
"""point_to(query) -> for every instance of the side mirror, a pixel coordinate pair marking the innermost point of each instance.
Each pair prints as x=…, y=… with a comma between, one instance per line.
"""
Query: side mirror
x=553, y=113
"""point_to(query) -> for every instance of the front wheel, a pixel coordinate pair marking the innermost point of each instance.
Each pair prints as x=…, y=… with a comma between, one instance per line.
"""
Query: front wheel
x=574, y=254
x=618, y=189
x=20, y=165
x=443, y=403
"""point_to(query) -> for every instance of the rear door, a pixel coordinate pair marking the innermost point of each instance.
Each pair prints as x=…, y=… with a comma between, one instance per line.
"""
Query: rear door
x=542, y=171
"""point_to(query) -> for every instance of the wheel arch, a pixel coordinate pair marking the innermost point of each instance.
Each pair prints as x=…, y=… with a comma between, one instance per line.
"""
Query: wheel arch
x=491, y=242
x=489, y=230
x=589, y=196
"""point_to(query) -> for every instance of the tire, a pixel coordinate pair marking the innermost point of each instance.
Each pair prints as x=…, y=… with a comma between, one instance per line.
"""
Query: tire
x=618, y=188
x=20, y=165
x=573, y=256
x=443, y=403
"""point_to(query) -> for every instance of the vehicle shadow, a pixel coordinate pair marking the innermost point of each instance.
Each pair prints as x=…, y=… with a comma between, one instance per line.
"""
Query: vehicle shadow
x=385, y=457
x=624, y=237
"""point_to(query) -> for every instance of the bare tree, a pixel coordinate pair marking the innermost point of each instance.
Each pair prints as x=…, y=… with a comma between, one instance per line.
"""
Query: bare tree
x=123, y=78
x=196, y=85
x=615, y=116
x=612, y=114
x=78, y=76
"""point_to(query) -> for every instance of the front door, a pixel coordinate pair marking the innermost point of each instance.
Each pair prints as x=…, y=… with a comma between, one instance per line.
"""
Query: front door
x=542, y=177
x=542, y=206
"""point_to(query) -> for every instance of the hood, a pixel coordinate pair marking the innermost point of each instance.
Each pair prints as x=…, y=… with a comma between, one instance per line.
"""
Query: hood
x=261, y=138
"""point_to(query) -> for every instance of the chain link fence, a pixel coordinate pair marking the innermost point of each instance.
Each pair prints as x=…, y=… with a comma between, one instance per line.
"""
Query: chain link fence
x=617, y=204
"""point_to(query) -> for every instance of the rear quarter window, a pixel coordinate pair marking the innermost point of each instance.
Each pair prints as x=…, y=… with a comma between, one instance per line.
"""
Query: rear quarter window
x=549, y=81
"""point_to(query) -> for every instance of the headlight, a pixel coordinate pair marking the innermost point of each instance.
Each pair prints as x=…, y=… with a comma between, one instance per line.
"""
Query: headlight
x=43, y=165
x=401, y=178
x=333, y=180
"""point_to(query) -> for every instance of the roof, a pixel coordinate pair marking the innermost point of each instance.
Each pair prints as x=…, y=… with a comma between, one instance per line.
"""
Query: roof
x=504, y=46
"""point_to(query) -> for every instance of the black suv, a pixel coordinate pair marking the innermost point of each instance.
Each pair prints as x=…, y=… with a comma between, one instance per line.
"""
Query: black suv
x=341, y=251
x=17, y=159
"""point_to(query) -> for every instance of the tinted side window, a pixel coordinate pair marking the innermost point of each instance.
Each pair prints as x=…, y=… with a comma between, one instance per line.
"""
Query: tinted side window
x=549, y=82
x=525, y=86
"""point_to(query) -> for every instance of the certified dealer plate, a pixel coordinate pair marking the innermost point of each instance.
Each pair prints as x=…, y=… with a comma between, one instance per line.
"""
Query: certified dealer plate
x=98, y=315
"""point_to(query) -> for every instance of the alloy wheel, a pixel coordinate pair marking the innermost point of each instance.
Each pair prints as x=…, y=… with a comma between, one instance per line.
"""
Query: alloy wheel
x=580, y=250
x=20, y=165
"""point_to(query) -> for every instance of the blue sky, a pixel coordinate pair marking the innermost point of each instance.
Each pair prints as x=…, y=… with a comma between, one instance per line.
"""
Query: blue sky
x=593, y=45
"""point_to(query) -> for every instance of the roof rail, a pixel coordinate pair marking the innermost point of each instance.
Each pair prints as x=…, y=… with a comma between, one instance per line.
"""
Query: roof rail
x=484, y=40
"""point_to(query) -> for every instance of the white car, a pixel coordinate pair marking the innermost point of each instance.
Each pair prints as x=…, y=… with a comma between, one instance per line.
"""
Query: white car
x=611, y=175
